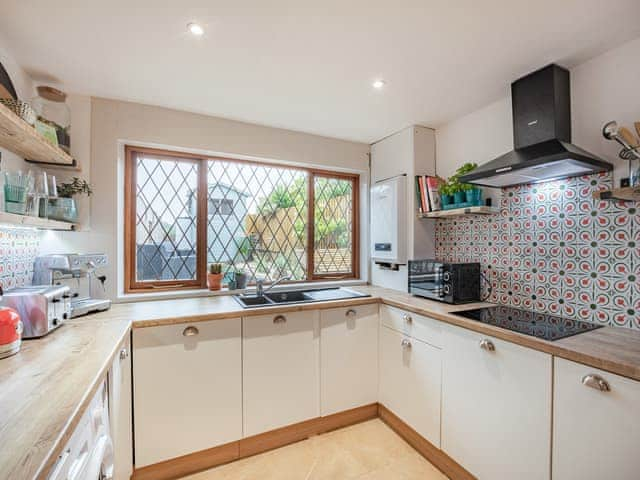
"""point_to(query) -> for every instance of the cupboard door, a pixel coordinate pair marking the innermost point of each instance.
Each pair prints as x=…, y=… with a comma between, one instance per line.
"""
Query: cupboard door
x=410, y=382
x=496, y=406
x=596, y=432
x=187, y=388
x=281, y=370
x=348, y=358
x=120, y=412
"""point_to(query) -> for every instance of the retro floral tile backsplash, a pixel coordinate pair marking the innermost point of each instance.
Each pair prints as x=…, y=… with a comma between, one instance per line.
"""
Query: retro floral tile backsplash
x=18, y=250
x=553, y=248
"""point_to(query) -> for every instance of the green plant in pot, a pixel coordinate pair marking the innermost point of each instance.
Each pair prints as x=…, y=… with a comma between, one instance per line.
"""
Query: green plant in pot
x=240, y=279
x=214, y=276
x=463, y=192
x=446, y=197
x=64, y=207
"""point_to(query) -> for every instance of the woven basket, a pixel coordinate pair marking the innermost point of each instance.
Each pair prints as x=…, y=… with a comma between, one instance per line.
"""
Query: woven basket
x=20, y=108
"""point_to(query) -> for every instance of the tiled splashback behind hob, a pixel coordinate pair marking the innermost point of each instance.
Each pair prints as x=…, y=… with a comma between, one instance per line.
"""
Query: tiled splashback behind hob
x=553, y=248
x=18, y=250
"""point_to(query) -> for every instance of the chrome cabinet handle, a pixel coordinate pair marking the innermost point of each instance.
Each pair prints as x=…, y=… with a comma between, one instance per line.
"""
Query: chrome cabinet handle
x=124, y=353
x=279, y=319
x=597, y=382
x=405, y=343
x=487, y=345
x=190, y=331
x=351, y=313
x=407, y=318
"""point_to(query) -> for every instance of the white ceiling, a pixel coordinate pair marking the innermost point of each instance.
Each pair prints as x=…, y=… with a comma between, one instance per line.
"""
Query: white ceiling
x=308, y=66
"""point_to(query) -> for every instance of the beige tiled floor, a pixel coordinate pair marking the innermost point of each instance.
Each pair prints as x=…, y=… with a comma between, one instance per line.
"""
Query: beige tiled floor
x=367, y=451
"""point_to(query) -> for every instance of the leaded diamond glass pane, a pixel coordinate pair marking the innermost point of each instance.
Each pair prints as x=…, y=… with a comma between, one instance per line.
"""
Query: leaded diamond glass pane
x=257, y=219
x=333, y=226
x=166, y=209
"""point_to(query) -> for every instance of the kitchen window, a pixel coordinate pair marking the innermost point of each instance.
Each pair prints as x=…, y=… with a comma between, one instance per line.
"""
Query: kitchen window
x=183, y=211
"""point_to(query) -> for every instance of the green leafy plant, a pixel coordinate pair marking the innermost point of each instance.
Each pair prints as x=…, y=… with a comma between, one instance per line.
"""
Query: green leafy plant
x=215, y=268
x=77, y=186
x=453, y=184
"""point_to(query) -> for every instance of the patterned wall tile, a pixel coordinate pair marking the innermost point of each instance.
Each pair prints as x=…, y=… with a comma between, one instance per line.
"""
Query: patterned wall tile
x=18, y=250
x=554, y=248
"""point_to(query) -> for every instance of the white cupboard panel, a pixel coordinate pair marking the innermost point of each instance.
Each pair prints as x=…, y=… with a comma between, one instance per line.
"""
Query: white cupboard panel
x=348, y=358
x=187, y=388
x=595, y=433
x=417, y=326
x=281, y=370
x=496, y=406
x=120, y=412
x=410, y=382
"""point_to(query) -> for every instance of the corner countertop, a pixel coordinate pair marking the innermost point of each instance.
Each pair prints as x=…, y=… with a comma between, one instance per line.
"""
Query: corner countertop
x=44, y=389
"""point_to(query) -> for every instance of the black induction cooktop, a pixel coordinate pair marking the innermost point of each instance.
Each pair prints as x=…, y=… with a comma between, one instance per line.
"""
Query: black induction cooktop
x=541, y=325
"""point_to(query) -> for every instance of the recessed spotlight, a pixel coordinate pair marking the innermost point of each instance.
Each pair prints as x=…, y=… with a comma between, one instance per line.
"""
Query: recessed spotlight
x=378, y=84
x=195, y=29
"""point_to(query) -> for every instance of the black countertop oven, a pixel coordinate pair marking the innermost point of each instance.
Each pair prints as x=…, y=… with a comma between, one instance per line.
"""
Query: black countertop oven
x=445, y=282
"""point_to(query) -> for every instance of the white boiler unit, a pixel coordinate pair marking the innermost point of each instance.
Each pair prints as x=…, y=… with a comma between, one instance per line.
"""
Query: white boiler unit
x=389, y=222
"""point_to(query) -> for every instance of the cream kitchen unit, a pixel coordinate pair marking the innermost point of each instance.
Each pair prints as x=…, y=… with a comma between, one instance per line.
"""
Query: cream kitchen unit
x=494, y=409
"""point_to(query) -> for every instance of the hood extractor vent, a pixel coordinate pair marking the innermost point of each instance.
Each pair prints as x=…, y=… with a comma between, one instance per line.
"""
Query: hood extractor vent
x=541, y=104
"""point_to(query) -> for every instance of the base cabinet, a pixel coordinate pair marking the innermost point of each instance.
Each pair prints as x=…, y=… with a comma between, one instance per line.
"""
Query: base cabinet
x=187, y=388
x=281, y=370
x=596, y=424
x=349, y=358
x=410, y=382
x=496, y=406
x=120, y=412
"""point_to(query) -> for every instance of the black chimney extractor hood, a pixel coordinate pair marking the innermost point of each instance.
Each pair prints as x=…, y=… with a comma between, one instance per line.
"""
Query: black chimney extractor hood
x=541, y=104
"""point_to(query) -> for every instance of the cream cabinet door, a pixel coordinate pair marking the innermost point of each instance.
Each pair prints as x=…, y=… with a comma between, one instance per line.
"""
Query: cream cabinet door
x=596, y=432
x=348, y=358
x=120, y=416
x=496, y=406
x=281, y=370
x=187, y=388
x=410, y=382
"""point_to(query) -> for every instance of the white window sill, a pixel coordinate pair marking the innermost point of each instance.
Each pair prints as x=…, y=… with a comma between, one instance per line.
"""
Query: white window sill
x=141, y=297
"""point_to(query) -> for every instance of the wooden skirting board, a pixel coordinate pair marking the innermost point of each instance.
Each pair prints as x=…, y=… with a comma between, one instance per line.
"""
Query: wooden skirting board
x=205, y=459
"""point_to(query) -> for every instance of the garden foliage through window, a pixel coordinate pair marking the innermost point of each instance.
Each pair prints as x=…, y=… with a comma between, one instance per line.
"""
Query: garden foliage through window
x=184, y=211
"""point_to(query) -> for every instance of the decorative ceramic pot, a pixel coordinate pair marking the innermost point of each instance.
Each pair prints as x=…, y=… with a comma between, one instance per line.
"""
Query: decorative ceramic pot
x=214, y=281
x=241, y=280
x=474, y=196
x=446, y=199
x=459, y=197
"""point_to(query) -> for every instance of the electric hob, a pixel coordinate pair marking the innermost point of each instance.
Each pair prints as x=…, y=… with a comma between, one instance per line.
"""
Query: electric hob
x=541, y=325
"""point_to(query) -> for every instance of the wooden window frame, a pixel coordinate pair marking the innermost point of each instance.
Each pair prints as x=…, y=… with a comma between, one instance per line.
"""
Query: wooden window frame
x=132, y=285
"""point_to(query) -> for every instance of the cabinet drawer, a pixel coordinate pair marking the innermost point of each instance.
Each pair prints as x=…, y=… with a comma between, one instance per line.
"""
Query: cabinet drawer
x=417, y=326
x=187, y=388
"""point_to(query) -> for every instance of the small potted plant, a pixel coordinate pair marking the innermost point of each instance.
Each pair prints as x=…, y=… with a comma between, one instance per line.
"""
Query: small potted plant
x=445, y=194
x=214, y=276
x=64, y=207
x=240, y=278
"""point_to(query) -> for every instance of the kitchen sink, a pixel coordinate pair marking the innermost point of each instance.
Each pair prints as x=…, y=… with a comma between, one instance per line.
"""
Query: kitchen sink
x=288, y=297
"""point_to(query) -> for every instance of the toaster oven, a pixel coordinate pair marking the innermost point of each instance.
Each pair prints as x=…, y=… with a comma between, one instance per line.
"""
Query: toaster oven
x=445, y=282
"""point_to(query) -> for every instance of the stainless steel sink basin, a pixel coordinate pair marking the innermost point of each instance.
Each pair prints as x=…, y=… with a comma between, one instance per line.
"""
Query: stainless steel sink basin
x=288, y=297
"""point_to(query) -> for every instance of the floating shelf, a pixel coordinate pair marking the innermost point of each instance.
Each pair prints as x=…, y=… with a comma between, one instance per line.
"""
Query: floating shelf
x=631, y=194
x=34, y=222
x=22, y=139
x=454, y=212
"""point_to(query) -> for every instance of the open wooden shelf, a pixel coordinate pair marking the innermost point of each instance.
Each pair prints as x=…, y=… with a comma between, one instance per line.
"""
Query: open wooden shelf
x=631, y=194
x=454, y=212
x=22, y=139
x=34, y=222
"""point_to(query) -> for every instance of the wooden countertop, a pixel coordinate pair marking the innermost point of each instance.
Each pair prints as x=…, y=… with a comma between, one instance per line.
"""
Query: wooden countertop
x=44, y=389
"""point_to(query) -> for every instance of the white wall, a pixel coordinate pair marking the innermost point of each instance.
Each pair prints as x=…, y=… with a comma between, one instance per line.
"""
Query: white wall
x=602, y=89
x=114, y=123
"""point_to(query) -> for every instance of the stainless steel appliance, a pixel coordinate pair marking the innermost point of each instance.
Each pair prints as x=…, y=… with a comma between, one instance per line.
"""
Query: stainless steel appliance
x=41, y=308
x=445, y=282
x=541, y=104
x=541, y=325
x=79, y=272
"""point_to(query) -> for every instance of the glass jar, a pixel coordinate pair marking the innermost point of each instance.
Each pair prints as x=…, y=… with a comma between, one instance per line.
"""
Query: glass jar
x=52, y=110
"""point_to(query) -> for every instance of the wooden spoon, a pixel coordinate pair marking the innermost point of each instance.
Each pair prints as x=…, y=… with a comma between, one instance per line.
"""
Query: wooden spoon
x=637, y=125
x=628, y=137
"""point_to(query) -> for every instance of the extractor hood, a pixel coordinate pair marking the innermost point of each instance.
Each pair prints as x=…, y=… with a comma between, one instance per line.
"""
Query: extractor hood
x=541, y=104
